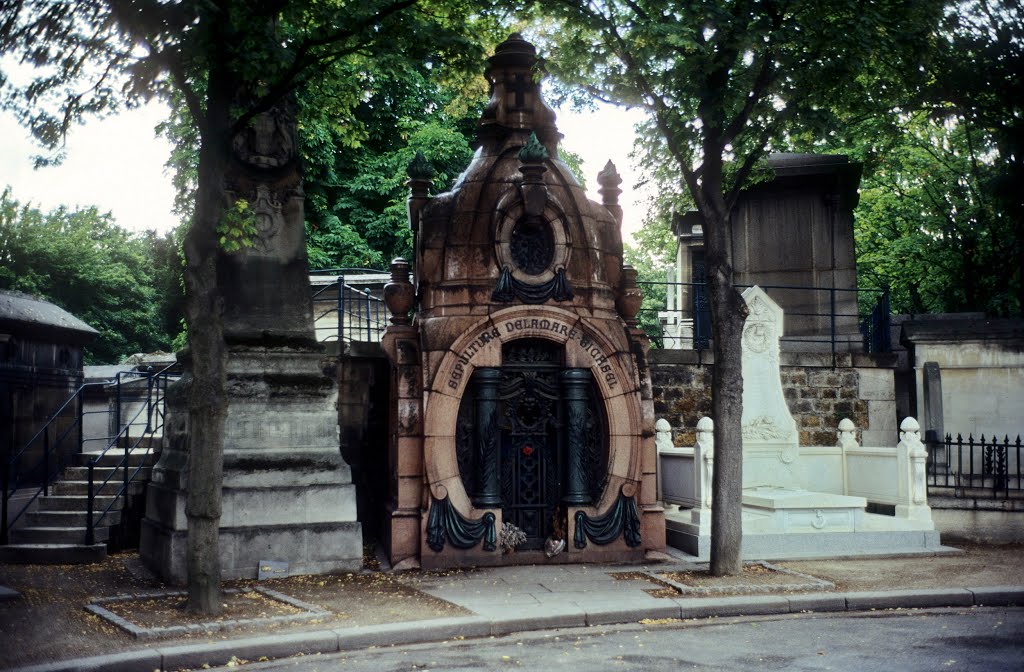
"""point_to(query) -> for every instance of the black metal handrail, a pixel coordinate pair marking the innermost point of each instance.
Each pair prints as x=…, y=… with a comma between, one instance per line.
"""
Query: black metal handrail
x=53, y=460
x=154, y=409
x=49, y=464
x=359, y=313
x=873, y=327
x=976, y=467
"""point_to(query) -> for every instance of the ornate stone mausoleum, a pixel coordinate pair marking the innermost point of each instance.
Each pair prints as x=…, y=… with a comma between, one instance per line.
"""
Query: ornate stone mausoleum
x=520, y=391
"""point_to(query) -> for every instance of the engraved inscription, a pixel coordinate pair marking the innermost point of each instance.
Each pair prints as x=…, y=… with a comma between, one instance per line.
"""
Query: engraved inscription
x=512, y=327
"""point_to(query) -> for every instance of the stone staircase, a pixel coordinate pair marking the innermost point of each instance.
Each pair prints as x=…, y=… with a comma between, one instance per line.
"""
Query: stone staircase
x=53, y=530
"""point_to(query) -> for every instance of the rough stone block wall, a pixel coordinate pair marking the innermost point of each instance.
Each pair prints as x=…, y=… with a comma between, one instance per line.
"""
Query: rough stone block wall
x=818, y=395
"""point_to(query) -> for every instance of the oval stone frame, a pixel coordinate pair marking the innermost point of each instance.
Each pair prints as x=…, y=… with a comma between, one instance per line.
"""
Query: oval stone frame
x=509, y=213
x=585, y=347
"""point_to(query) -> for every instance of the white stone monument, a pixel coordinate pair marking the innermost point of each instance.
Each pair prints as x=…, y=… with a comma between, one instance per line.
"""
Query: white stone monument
x=793, y=506
x=774, y=498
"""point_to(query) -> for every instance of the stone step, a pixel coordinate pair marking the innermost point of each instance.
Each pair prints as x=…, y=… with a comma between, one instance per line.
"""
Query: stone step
x=68, y=518
x=57, y=535
x=76, y=503
x=99, y=474
x=114, y=457
x=53, y=554
x=82, y=487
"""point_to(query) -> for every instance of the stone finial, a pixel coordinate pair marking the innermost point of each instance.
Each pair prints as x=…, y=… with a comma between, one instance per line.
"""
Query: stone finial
x=663, y=434
x=419, y=168
x=399, y=294
x=609, y=180
x=533, y=151
x=535, y=192
x=630, y=297
x=847, y=433
x=910, y=430
x=421, y=178
x=706, y=432
x=516, y=103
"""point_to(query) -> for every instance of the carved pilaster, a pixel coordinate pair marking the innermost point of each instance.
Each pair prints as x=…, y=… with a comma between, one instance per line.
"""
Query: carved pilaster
x=574, y=391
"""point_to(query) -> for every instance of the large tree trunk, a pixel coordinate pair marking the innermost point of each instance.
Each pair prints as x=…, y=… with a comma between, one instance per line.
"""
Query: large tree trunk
x=207, y=397
x=728, y=313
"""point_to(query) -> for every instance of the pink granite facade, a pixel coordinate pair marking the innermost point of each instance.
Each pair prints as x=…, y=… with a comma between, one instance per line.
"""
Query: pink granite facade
x=516, y=254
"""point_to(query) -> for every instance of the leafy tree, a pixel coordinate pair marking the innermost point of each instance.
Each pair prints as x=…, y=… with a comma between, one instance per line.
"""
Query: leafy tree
x=228, y=61
x=83, y=262
x=932, y=226
x=722, y=80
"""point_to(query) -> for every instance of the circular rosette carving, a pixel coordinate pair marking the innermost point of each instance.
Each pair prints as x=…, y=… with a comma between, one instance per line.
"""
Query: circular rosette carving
x=532, y=246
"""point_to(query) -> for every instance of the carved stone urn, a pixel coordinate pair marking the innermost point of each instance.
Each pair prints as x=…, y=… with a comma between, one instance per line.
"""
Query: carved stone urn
x=399, y=294
x=630, y=297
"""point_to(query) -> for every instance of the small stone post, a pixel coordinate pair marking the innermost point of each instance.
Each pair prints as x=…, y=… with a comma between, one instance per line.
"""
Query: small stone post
x=847, y=440
x=911, y=456
x=663, y=441
x=703, y=475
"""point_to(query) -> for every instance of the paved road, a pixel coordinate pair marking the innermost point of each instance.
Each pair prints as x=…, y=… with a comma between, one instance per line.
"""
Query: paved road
x=982, y=639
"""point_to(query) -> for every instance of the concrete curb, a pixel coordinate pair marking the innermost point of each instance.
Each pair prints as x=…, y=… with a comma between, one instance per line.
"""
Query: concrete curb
x=469, y=627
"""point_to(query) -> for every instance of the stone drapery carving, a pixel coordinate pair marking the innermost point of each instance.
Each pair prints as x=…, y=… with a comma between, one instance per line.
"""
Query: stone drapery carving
x=622, y=519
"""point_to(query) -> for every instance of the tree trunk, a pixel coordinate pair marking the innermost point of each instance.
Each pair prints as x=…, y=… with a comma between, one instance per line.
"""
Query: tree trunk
x=728, y=313
x=207, y=398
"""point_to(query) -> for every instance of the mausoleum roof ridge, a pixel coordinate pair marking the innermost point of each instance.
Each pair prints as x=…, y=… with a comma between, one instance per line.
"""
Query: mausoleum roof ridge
x=19, y=308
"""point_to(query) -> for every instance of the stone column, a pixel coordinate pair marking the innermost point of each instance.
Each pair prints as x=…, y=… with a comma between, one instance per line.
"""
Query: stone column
x=488, y=447
x=934, y=432
x=574, y=391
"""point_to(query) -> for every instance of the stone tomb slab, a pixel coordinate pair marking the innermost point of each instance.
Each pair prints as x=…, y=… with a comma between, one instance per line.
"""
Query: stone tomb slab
x=789, y=510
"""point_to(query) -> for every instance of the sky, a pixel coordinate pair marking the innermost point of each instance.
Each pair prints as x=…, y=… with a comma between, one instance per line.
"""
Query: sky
x=117, y=164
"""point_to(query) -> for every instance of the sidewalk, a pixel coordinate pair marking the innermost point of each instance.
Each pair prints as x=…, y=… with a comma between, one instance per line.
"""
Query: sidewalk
x=374, y=609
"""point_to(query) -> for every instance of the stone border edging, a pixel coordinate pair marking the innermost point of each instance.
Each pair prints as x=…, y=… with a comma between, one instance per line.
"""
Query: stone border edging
x=470, y=627
x=310, y=612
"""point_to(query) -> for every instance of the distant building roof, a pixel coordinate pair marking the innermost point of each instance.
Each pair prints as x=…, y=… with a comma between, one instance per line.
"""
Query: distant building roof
x=24, y=314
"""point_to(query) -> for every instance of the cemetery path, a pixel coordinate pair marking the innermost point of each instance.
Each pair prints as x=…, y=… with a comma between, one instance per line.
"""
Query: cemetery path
x=49, y=622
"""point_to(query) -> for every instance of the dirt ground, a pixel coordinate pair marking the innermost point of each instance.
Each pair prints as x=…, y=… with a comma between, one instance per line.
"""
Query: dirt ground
x=50, y=623
x=977, y=566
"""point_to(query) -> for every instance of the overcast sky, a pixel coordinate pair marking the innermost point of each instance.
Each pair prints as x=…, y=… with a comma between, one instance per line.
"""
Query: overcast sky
x=117, y=164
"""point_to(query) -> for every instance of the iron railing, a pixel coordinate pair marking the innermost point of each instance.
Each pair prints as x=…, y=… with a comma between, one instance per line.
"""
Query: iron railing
x=349, y=307
x=816, y=318
x=148, y=419
x=972, y=468
x=62, y=436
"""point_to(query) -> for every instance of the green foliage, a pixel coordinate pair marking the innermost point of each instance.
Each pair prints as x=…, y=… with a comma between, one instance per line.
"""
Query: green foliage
x=652, y=272
x=237, y=227
x=83, y=262
x=930, y=224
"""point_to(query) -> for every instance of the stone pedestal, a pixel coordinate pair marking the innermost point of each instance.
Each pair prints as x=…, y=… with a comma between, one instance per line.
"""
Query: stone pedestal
x=287, y=494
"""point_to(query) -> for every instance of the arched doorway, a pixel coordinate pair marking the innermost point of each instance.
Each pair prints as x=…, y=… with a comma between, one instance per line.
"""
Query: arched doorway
x=532, y=438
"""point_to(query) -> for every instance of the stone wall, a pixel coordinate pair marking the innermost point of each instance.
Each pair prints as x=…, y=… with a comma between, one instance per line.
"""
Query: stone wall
x=980, y=363
x=819, y=395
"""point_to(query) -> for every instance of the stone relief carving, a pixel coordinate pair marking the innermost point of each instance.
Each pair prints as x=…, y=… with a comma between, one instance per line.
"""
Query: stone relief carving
x=763, y=427
x=268, y=141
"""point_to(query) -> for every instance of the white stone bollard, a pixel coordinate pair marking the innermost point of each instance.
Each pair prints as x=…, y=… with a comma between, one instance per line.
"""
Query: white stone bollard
x=663, y=442
x=847, y=434
x=704, y=458
x=912, y=456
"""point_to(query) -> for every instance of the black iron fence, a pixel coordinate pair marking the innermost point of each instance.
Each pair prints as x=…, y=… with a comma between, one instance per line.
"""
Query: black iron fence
x=827, y=319
x=132, y=446
x=348, y=304
x=136, y=410
x=972, y=468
